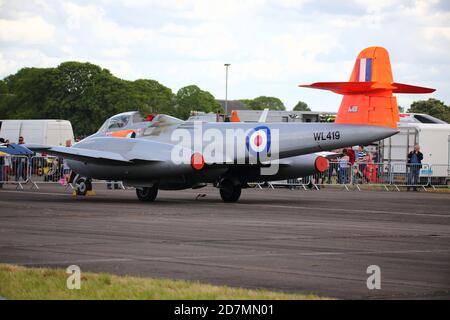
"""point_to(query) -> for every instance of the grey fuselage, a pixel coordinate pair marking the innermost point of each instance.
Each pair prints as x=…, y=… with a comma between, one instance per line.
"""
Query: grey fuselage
x=150, y=155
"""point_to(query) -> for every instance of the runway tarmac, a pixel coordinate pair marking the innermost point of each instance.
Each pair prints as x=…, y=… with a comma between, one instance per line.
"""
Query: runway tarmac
x=318, y=242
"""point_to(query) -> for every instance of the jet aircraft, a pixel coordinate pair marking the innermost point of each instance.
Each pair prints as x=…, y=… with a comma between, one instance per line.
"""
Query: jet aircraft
x=151, y=154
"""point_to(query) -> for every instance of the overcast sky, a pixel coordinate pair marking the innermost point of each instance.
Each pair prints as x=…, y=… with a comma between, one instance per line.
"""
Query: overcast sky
x=272, y=45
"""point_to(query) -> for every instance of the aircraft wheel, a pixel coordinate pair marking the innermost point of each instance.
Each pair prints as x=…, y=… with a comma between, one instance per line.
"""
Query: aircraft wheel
x=83, y=185
x=147, y=193
x=230, y=192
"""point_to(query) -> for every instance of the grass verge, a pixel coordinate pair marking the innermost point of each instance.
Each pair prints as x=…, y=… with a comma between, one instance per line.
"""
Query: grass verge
x=18, y=282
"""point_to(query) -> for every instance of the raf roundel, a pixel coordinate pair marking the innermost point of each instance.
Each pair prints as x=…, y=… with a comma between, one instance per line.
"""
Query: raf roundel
x=258, y=140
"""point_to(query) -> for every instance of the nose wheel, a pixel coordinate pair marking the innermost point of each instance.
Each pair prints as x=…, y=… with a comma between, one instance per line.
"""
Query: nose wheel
x=147, y=193
x=230, y=192
x=82, y=186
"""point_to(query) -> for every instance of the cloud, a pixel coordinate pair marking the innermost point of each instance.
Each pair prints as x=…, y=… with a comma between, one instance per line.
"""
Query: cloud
x=26, y=30
x=272, y=46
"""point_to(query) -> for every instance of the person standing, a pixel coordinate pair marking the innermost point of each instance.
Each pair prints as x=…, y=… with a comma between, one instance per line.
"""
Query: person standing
x=21, y=164
x=351, y=155
x=414, y=165
x=362, y=163
x=2, y=163
x=65, y=169
x=343, y=167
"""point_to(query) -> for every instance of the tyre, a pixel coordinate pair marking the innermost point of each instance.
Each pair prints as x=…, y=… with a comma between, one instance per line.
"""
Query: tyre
x=83, y=185
x=147, y=193
x=230, y=192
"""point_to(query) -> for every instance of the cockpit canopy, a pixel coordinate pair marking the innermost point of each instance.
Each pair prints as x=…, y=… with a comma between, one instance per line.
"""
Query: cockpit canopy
x=134, y=120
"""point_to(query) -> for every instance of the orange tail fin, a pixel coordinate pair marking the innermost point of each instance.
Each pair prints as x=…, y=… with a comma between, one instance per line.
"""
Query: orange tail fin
x=368, y=96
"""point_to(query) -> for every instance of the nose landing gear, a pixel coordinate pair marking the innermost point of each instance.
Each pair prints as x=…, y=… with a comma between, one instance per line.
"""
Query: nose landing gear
x=83, y=186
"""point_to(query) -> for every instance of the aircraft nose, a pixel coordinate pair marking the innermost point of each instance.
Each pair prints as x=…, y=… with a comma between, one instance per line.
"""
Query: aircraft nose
x=352, y=135
x=378, y=133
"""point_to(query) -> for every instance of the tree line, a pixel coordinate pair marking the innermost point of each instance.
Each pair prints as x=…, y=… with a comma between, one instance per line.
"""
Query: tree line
x=87, y=94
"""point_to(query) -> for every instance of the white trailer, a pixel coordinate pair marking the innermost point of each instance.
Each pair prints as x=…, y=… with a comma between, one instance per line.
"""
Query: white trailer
x=48, y=132
x=434, y=141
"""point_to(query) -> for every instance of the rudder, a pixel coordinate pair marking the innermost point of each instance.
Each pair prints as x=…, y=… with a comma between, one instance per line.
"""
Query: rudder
x=376, y=107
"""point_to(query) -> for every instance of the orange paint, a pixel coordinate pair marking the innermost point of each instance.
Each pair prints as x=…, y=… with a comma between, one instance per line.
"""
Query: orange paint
x=368, y=96
x=120, y=133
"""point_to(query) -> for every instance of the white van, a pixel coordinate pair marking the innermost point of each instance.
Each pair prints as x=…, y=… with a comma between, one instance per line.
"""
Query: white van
x=48, y=132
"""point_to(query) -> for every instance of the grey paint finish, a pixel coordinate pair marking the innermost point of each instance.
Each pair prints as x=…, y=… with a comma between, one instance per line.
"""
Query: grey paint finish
x=149, y=158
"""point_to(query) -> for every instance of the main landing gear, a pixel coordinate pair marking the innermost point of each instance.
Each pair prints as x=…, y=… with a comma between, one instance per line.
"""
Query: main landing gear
x=147, y=193
x=229, y=191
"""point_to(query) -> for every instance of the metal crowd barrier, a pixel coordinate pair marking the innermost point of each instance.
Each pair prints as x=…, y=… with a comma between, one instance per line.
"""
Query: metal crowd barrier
x=338, y=174
x=14, y=170
x=20, y=170
x=410, y=175
x=386, y=175
x=291, y=183
x=439, y=175
x=37, y=170
x=46, y=169
x=373, y=174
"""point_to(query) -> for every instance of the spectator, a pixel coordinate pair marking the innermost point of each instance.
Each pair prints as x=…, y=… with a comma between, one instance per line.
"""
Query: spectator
x=332, y=170
x=362, y=162
x=343, y=167
x=376, y=157
x=415, y=158
x=370, y=172
x=361, y=154
x=2, y=162
x=65, y=174
x=351, y=155
x=20, y=164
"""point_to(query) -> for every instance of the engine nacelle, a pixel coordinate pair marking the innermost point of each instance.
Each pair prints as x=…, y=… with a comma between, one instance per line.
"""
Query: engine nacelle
x=293, y=167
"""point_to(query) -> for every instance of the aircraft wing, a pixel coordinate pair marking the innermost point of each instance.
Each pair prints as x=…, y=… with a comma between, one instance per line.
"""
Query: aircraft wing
x=93, y=156
x=109, y=150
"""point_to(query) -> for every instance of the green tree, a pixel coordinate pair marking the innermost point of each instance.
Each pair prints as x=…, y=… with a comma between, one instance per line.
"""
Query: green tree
x=87, y=95
x=192, y=98
x=153, y=97
x=28, y=90
x=3, y=87
x=433, y=107
x=263, y=102
x=82, y=93
x=301, y=106
x=4, y=96
x=401, y=109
